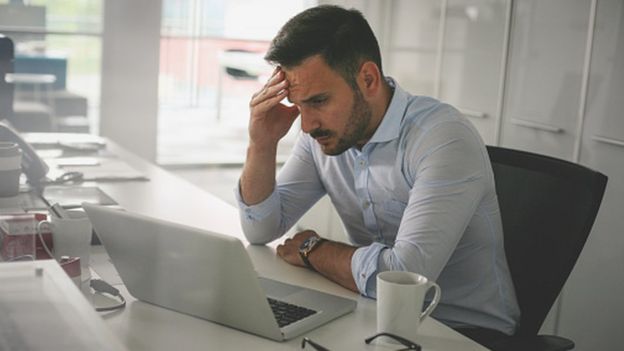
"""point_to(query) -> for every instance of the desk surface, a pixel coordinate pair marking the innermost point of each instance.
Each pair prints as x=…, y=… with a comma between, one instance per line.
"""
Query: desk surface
x=142, y=326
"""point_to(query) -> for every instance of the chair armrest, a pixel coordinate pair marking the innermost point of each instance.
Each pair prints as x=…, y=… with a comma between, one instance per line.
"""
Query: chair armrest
x=535, y=343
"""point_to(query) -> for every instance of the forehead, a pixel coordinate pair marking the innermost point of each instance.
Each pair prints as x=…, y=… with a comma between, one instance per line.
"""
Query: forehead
x=313, y=76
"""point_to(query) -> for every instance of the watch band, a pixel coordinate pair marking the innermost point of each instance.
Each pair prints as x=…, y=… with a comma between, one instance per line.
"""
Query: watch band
x=305, y=253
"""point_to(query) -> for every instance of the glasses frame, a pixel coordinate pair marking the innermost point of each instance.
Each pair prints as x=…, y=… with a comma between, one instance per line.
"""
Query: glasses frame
x=315, y=345
x=410, y=345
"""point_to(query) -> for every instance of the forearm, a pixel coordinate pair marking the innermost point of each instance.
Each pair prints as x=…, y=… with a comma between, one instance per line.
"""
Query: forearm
x=333, y=260
x=285, y=197
x=258, y=177
x=269, y=121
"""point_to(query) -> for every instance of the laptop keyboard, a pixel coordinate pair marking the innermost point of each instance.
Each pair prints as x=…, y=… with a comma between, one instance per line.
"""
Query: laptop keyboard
x=286, y=313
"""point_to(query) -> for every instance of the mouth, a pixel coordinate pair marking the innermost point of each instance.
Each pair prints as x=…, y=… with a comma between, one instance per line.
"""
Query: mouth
x=323, y=140
x=321, y=136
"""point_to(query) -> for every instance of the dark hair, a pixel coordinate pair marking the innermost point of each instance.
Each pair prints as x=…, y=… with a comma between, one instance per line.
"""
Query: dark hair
x=342, y=37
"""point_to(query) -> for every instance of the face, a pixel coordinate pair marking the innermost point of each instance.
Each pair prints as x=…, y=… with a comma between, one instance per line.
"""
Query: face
x=331, y=111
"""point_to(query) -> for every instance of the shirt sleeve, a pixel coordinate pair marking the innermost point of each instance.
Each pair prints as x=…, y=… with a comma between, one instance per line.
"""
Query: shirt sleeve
x=298, y=187
x=364, y=267
x=447, y=167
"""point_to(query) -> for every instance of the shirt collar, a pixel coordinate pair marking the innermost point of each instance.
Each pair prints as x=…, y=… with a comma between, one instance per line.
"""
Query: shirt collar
x=390, y=125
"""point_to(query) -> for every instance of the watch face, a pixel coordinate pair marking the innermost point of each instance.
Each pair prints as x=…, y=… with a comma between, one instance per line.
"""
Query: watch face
x=308, y=244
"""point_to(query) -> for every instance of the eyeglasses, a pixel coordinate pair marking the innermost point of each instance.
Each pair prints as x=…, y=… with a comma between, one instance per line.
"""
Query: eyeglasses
x=409, y=345
x=314, y=345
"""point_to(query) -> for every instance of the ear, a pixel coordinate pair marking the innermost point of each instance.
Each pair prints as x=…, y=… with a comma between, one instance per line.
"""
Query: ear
x=369, y=79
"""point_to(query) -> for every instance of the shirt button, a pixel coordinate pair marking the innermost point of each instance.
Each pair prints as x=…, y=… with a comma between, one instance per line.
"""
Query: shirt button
x=366, y=204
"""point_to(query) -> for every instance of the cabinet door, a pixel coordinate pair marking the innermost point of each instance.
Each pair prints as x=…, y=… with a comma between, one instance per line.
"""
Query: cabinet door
x=472, y=57
x=592, y=312
x=411, y=44
x=547, y=49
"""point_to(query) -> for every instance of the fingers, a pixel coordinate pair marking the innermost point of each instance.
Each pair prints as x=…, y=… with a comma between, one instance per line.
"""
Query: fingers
x=289, y=252
x=276, y=88
x=275, y=78
x=276, y=71
x=270, y=92
x=268, y=103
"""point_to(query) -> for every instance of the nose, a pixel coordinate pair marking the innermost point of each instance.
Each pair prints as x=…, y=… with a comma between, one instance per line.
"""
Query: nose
x=309, y=121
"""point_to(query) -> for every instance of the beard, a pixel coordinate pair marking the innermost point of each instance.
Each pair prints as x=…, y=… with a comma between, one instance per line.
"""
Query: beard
x=355, y=129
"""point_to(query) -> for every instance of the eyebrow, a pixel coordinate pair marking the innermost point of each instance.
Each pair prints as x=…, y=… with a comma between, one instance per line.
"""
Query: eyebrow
x=313, y=97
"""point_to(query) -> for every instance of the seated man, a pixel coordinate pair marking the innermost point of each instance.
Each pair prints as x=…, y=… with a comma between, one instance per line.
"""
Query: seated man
x=409, y=176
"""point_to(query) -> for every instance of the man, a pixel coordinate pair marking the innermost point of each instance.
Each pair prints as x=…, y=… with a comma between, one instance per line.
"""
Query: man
x=408, y=175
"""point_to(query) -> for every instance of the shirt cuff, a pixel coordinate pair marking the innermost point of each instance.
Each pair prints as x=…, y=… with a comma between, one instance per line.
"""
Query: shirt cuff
x=260, y=210
x=364, y=267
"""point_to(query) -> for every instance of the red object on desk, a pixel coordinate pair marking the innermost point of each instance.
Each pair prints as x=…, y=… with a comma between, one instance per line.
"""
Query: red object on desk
x=17, y=233
x=71, y=266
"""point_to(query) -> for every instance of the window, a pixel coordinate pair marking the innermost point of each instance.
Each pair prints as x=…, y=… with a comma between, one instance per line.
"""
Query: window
x=211, y=62
x=59, y=39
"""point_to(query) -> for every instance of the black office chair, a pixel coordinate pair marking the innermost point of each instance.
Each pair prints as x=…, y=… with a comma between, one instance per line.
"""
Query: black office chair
x=548, y=207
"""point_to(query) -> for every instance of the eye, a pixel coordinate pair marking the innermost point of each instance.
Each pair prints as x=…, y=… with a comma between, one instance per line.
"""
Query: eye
x=318, y=101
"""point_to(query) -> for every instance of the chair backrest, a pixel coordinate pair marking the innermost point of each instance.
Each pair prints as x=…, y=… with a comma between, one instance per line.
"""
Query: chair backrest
x=548, y=207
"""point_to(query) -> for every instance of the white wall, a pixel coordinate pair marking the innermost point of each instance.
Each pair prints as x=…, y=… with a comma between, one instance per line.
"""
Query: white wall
x=130, y=66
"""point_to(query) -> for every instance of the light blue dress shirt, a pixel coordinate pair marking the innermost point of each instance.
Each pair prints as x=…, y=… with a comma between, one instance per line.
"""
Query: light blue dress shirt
x=419, y=197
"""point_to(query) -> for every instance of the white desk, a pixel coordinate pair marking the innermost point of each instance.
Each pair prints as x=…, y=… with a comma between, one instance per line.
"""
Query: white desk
x=43, y=310
x=142, y=326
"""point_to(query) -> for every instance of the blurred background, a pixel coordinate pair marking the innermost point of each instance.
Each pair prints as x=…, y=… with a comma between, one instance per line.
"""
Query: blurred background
x=170, y=80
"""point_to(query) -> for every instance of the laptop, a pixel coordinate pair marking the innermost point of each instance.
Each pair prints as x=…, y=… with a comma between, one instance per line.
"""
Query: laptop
x=207, y=275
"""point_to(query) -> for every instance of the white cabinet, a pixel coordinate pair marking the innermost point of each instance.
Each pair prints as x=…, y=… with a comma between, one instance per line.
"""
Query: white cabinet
x=592, y=312
x=473, y=53
x=547, y=51
x=410, y=43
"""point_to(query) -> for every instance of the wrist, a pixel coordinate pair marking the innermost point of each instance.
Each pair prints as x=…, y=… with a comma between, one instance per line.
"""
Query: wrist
x=262, y=148
x=308, y=246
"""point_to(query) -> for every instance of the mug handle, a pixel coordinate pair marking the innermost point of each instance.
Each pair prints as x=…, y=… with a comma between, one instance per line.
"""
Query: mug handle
x=434, y=302
x=40, y=235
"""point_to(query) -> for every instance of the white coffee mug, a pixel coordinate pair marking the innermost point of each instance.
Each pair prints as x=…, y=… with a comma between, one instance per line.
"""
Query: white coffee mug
x=400, y=297
x=71, y=237
x=10, y=168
